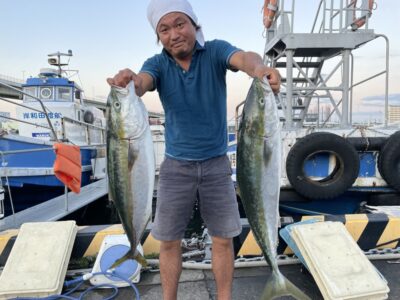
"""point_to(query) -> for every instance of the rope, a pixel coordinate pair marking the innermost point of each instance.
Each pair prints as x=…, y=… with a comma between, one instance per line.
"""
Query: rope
x=4, y=164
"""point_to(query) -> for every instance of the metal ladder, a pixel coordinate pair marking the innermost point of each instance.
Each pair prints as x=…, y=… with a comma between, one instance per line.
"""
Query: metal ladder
x=301, y=57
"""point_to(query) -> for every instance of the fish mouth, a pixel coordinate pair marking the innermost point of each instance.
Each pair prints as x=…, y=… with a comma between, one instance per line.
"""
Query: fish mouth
x=123, y=91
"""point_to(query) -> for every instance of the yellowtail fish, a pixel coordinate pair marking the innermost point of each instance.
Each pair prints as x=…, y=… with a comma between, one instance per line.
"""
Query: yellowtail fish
x=130, y=164
x=258, y=176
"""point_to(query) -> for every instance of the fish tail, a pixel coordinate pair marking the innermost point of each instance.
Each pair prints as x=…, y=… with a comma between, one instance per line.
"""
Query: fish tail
x=140, y=259
x=121, y=260
x=278, y=286
x=137, y=256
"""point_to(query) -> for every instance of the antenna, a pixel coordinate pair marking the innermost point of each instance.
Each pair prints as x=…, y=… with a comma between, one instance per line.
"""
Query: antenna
x=56, y=61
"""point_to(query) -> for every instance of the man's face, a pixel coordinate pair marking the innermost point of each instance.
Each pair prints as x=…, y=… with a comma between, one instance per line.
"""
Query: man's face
x=177, y=34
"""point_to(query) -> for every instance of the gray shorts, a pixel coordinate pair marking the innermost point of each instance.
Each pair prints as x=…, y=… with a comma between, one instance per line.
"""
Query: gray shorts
x=179, y=183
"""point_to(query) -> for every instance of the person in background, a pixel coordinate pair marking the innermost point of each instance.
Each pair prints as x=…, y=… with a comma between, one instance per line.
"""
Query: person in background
x=190, y=77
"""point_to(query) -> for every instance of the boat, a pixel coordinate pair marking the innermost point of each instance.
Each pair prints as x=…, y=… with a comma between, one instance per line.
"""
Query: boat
x=52, y=111
x=332, y=164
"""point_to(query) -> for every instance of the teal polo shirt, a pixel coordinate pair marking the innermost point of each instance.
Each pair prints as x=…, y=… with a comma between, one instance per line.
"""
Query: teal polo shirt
x=194, y=101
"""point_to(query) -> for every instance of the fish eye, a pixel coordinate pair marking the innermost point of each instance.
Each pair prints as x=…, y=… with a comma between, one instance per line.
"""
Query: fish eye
x=117, y=104
x=261, y=100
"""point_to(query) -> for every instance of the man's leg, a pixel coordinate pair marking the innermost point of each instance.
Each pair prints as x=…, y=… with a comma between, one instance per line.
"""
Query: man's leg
x=219, y=209
x=223, y=266
x=170, y=268
x=176, y=194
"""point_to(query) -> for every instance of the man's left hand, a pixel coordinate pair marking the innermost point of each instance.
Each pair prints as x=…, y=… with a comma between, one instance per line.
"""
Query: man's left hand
x=273, y=76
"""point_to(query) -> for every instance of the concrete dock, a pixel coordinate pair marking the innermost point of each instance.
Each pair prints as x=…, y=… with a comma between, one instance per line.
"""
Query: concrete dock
x=248, y=283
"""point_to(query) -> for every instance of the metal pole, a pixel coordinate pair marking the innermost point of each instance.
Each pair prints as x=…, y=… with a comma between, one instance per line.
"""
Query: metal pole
x=318, y=112
x=346, y=88
x=66, y=197
x=237, y=118
x=386, y=80
x=341, y=16
x=351, y=88
x=289, y=88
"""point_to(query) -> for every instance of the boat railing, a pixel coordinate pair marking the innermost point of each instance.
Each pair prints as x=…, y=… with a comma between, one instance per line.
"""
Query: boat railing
x=2, y=210
x=238, y=118
x=44, y=109
x=90, y=131
x=331, y=16
x=11, y=79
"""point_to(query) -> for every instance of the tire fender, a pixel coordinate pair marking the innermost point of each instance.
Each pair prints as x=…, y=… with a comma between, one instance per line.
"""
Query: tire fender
x=341, y=178
x=389, y=161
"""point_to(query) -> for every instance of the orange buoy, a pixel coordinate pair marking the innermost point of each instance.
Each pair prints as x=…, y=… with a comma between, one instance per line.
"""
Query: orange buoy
x=358, y=22
x=67, y=166
x=269, y=11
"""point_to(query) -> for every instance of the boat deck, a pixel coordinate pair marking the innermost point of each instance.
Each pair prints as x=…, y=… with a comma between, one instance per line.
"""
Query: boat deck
x=58, y=207
x=248, y=283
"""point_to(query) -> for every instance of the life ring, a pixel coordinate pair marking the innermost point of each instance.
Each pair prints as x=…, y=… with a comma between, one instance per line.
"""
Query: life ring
x=359, y=22
x=389, y=161
x=338, y=180
x=269, y=11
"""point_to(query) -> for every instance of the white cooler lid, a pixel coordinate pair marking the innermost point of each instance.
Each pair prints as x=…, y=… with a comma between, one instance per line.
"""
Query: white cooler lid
x=338, y=265
x=38, y=262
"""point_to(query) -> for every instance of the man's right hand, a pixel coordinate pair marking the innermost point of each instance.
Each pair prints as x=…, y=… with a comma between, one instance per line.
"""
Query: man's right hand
x=143, y=82
x=123, y=78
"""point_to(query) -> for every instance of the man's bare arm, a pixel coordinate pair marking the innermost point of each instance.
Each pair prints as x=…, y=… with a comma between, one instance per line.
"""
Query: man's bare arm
x=252, y=64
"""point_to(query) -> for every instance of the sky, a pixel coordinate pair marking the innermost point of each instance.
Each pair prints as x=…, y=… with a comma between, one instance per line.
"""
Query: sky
x=106, y=36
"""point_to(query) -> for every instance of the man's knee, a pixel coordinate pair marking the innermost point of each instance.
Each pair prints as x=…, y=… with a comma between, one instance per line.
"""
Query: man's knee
x=166, y=246
x=222, y=243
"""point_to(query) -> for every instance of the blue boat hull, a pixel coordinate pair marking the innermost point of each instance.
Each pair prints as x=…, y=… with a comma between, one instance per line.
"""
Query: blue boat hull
x=40, y=162
x=29, y=173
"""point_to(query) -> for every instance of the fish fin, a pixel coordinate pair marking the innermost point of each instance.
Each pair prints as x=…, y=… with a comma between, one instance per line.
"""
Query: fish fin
x=238, y=191
x=132, y=156
x=124, y=258
x=278, y=286
x=267, y=152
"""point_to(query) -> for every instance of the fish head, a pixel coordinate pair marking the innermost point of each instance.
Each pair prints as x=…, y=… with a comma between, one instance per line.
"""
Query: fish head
x=254, y=109
x=260, y=112
x=126, y=114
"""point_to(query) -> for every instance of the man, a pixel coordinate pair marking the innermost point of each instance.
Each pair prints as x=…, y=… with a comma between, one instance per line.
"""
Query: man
x=189, y=75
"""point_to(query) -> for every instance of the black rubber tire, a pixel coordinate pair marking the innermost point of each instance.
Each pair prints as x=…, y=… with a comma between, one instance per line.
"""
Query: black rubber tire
x=385, y=199
x=341, y=178
x=389, y=161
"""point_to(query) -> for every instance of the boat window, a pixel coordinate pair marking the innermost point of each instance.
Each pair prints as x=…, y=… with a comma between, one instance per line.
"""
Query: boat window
x=31, y=91
x=64, y=93
x=46, y=93
x=77, y=94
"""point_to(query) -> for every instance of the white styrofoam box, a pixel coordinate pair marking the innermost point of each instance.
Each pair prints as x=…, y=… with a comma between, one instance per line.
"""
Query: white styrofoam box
x=338, y=265
x=38, y=261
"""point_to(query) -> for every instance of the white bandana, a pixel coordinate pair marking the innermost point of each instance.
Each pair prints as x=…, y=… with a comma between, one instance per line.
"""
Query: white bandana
x=159, y=8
